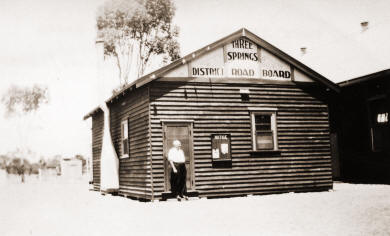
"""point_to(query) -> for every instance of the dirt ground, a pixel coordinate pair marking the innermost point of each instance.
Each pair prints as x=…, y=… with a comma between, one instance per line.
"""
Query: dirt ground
x=58, y=207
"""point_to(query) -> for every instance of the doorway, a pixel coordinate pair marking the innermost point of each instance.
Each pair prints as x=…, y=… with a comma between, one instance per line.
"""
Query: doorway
x=379, y=123
x=181, y=131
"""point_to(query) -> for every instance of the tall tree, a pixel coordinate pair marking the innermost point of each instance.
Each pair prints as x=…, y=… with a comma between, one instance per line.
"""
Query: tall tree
x=137, y=29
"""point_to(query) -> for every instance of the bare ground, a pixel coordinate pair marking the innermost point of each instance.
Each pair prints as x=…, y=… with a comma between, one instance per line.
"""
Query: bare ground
x=57, y=207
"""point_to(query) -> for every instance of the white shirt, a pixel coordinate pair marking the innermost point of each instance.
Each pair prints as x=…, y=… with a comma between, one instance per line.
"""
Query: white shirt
x=176, y=155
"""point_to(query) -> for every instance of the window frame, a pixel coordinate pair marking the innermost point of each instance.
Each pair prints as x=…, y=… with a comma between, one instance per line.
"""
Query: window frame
x=124, y=126
x=274, y=130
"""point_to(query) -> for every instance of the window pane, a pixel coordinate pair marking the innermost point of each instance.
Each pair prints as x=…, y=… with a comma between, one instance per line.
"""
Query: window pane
x=263, y=127
x=264, y=140
x=263, y=118
x=125, y=131
x=125, y=137
x=125, y=146
x=263, y=122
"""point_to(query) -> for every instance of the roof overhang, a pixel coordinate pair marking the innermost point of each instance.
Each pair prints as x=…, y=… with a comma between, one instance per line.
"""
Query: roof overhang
x=365, y=78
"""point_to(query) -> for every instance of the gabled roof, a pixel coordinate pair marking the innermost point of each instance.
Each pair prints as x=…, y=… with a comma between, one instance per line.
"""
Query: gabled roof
x=365, y=78
x=196, y=54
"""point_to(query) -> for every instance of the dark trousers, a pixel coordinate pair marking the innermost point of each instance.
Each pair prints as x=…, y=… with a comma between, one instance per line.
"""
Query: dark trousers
x=178, y=180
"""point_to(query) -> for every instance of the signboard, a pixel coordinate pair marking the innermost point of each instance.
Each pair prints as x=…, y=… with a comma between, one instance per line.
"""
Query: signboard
x=241, y=59
x=220, y=147
x=382, y=118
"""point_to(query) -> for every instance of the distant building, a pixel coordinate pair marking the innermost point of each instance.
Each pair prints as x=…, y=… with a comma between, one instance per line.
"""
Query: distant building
x=363, y=127
x=48, y=173
x=50, y=169
x=71, y=168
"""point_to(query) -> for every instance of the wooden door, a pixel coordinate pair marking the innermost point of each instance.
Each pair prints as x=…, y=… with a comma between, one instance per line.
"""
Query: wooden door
x=182, y=132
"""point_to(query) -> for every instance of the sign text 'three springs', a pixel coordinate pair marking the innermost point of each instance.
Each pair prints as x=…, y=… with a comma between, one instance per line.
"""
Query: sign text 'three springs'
x=242, y=59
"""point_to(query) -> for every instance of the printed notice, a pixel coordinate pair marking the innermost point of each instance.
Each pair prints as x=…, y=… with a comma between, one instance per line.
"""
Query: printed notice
x=220, y=146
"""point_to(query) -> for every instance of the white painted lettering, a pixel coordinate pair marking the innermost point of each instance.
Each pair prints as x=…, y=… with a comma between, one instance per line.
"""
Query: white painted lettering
x=243, y=72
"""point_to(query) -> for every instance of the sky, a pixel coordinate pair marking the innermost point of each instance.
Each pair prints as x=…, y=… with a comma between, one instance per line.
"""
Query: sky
x=52, y=43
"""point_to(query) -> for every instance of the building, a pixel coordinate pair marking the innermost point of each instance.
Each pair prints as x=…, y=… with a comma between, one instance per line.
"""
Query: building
x=71, y=168
x=362, y=116
x=251, y=120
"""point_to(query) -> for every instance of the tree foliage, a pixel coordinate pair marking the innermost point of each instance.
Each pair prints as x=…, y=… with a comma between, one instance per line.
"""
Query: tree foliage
x=24, y=99
x=137, y=27
x=3, y=161
x=20, y=166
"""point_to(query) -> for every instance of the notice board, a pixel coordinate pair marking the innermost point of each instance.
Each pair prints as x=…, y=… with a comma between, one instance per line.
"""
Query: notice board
x=220, y=147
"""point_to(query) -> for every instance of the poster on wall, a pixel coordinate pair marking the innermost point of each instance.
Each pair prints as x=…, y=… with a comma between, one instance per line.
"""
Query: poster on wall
x=220, y=147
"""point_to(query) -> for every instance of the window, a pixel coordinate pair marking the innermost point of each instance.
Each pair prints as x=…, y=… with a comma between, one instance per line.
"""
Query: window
x=264, y=133
x=124, y=139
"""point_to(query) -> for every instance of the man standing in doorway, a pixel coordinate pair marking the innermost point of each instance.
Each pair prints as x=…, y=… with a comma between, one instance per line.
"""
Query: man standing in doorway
x=177, y=159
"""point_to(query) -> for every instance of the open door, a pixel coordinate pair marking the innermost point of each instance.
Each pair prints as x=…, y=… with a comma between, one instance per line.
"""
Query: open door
x=379, y=124
x=181, y=131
